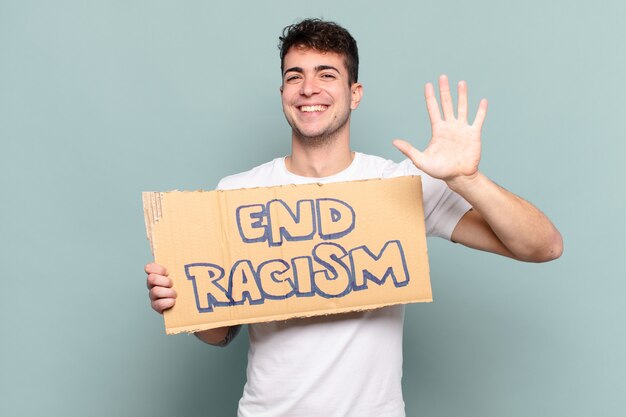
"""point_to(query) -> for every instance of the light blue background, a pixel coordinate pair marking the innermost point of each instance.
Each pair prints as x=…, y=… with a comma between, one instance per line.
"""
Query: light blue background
x=100, y=100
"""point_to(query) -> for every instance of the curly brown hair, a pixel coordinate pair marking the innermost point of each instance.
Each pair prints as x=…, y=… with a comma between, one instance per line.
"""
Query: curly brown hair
x=324, y=37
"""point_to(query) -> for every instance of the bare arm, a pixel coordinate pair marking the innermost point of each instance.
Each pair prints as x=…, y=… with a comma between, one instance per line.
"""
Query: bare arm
x=506, y=224
x=501, y=222
x=163, y=297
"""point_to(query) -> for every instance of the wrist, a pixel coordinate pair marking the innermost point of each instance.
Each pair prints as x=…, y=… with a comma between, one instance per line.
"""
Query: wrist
x=463, y=184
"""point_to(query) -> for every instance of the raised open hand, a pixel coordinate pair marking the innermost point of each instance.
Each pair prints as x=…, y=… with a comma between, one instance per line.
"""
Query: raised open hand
x=454, y=149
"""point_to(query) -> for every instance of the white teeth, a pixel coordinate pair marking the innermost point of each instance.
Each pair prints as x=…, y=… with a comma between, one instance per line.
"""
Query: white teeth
x=313, y=108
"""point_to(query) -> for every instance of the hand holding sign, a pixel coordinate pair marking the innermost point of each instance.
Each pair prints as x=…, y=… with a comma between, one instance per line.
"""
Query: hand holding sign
x=162, y=295
x=454, y=149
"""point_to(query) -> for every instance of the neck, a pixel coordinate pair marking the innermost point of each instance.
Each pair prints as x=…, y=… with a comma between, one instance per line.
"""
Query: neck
x=319, y=160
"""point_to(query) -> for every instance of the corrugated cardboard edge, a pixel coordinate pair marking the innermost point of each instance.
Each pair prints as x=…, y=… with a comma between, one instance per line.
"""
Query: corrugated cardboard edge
x=320, y=184
x=152, y=213
x=278, y=317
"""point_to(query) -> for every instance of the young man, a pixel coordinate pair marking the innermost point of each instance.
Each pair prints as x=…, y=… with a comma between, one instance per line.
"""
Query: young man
x=323, y=366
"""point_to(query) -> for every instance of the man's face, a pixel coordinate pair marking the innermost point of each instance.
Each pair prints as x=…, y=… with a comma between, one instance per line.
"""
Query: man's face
x=317, y=99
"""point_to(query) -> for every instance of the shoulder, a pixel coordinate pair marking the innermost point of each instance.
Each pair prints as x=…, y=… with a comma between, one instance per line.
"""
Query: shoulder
x=386, y=168
x=432, y=188
x=255, y=177
x=376, y=165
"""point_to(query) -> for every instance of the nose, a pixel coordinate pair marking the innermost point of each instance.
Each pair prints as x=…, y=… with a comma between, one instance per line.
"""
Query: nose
x=309, y=87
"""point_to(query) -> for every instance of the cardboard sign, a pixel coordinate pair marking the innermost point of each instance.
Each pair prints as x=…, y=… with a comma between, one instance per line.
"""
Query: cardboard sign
x=263, y=254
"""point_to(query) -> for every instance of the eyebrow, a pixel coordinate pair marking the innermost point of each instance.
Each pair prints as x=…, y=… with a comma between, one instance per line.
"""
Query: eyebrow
x=317, y=69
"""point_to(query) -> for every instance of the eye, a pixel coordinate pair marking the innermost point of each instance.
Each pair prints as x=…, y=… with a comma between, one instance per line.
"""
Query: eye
x=328, y=76
x=292, y=78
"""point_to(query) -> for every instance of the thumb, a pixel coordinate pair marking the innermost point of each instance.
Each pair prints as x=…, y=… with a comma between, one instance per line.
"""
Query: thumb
x=413, y=154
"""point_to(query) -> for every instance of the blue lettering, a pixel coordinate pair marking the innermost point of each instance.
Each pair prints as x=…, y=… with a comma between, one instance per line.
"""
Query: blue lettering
x=276, y=222
x=292, y=226
x=330, y=272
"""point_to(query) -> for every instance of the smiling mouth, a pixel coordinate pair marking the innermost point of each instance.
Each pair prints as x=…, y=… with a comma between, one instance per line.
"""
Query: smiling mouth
x=310, y=109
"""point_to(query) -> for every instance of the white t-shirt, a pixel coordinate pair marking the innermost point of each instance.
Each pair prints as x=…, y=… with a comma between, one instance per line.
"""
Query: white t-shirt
x=339, y=365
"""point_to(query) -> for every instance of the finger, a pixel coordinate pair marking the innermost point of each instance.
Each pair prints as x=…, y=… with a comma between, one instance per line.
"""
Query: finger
x=155, y=280
x=407, y=149
x=446, y=97
x=163, y=304
x=431, y=104
x=154, y=268
x=162, y=292
x=462, y=109
x=481, y=114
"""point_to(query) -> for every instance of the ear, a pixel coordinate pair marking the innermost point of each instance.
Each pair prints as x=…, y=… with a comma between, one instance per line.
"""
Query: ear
x=357, y=93
x=281, y=89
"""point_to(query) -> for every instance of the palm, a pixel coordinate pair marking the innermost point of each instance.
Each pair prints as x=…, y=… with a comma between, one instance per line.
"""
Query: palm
x=454, y=149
